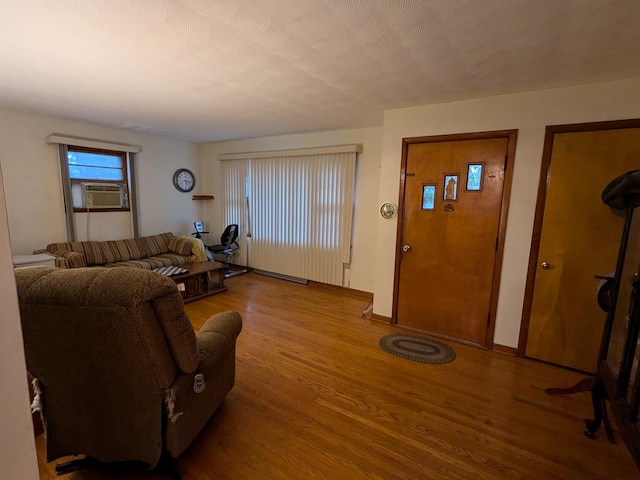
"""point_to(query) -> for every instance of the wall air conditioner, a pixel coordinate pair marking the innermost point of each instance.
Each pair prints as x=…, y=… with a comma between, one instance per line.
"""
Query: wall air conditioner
x=103, y=195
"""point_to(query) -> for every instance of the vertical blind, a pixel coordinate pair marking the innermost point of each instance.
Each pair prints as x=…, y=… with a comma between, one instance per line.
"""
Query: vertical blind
x=234, y=202
x=296, y=211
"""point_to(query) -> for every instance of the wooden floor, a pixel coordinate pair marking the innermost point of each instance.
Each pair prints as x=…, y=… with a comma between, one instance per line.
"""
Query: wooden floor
x=316, y=398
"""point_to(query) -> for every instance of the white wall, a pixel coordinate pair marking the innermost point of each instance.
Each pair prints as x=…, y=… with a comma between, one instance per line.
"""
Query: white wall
x=34, y=197
x=528, y=112
x=361, y=275
x=17, y=446
x=35, y=216
x=34, y=193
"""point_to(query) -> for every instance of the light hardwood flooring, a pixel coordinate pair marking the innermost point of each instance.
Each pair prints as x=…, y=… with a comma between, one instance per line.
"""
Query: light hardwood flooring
x=316, y=398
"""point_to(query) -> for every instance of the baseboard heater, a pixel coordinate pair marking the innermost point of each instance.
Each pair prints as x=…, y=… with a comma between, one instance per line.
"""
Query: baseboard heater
x=281, y=276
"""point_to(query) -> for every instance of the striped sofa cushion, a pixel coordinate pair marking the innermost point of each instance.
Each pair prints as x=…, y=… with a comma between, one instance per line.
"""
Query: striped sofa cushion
x=122, y=250
x=164, y=260
x=181, y=246
x=155, y=244
x=174, y=258
x=93, y=253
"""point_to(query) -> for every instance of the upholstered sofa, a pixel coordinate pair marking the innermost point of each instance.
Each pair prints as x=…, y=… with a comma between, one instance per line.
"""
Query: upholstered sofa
x=148, y=252
x=120, y=373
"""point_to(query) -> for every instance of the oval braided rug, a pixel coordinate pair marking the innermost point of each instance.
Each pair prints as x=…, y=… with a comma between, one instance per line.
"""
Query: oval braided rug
x=418, y=349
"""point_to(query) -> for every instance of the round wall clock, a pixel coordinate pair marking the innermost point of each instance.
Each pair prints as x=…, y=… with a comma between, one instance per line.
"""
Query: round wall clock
x=184, y=180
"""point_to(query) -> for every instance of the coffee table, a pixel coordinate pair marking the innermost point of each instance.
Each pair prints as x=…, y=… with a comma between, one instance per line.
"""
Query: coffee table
x=199, y=281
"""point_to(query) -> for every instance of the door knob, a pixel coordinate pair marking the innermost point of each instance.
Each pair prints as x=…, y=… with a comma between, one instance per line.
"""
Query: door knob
x=406, y=248
x=545, y=265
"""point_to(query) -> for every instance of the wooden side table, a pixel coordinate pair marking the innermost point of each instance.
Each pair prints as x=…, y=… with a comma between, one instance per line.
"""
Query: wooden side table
x=200, y=282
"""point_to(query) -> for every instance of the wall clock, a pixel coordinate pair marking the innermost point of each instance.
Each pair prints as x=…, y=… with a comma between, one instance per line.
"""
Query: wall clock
x=184, y=180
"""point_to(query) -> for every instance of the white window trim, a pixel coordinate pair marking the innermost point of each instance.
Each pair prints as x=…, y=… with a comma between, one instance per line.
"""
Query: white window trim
x=355, y=148
x=91, y=143
x=63, y=142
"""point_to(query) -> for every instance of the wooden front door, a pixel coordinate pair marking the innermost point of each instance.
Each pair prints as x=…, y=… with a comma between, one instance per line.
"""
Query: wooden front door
x=453, y=203
x=576, y=237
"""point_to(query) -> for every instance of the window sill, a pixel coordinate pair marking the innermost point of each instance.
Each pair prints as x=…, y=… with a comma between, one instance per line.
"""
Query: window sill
x=98, y=210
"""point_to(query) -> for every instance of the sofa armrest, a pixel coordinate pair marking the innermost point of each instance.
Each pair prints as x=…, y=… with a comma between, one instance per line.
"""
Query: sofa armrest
x=69, y=259
x=65, y=258
x=217, y=336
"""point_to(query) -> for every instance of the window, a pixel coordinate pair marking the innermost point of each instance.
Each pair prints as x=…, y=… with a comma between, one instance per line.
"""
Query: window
x=294, y=208
x=99, y=179
x=428, y=197
x=474, y=177
x=104, y=169
x=91, y=165
x=450, y=187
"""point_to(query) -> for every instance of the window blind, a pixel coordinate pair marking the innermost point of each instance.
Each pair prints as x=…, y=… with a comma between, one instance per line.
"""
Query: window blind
x=298, y=213
x=234, y=203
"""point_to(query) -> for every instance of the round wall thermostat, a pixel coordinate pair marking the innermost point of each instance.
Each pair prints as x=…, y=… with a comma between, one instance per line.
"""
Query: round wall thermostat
x=388, y=210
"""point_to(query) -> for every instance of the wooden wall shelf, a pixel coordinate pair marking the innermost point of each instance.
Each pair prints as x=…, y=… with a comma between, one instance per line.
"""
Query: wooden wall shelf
x=202, y=197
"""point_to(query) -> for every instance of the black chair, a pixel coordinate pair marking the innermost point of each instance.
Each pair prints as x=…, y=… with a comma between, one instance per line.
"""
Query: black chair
x=228, y=244
x=227, y=248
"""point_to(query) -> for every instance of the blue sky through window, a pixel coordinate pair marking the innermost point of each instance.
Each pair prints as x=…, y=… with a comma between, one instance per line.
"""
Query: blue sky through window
x=95, y=166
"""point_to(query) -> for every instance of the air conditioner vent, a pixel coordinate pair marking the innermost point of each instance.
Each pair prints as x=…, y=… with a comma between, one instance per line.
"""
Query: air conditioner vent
x=103, y=195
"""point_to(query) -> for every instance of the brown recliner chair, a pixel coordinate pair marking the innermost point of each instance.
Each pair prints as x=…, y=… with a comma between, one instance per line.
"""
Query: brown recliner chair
x=117, y=362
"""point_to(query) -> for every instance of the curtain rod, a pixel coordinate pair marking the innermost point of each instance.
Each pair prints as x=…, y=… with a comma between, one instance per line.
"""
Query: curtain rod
x=91, y=143
x=354, y=148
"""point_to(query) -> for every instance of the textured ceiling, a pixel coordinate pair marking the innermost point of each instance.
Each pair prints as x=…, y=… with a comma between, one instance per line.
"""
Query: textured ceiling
x=207, y=70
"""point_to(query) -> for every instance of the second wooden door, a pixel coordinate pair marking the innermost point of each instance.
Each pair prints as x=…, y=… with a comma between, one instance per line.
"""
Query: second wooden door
x=579, y=238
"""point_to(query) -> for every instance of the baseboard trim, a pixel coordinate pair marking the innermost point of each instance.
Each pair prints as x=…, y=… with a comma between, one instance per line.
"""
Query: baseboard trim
x=506, y=350
x=282, y=276
x=380, y=318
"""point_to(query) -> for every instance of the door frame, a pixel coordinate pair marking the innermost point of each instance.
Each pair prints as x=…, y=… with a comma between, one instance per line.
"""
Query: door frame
x=511, y=136
x=543, y=184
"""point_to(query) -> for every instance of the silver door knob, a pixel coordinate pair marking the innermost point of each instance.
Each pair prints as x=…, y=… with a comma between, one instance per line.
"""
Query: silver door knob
x=545, y=265
x=406, y=248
